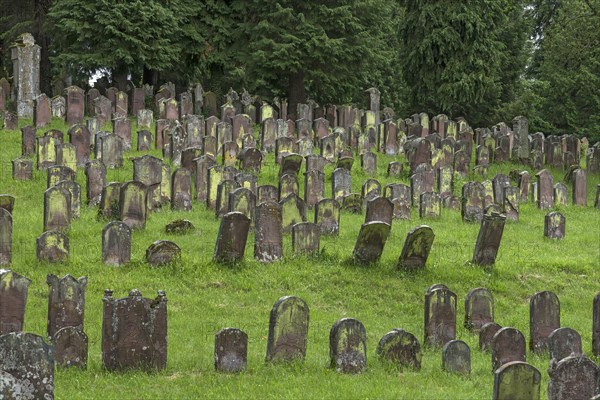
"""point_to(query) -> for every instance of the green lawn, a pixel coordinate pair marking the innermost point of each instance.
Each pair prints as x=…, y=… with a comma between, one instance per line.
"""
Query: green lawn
x=205, y=297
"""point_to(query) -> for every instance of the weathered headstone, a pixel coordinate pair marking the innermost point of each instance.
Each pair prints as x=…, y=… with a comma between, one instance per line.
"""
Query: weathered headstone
x=327, y=216
x=57, y=208
x=66, y=302
x=293, y=211
x=400, y=348
x=574, y=377
x=517, y=380
x=70, y=347
x=508, y=344
x=488, y=239
x=554, y=225
x=417, y=246
x=579, y=188
x=341, y=184
x=231, y=350
x=116, y=243
x=456, y=357
x=545, y=193
x=370, y=242
x=6, y=231
x=232, y=236
x=479, y=309
x=473, y=200
x=563, y=342
x=544, y=318
x=440, y=316
x=430, y=205
x=268, y=236
x=52, y=247
x=74, y=190
x=133, y=204
x=13, y=299
x=179, y=227
x=181, y=190
x=306, y=237
x=109, y=201
x=348, y=346
x=486, y=334
x=288, y=330
x=162, y=252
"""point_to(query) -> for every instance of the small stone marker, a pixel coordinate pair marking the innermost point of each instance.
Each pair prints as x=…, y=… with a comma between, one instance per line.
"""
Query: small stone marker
x=268, y=237
x=179, y=227
x=116, y=244
x=508, y=344
x=70, y=347
x=231, y=350
x=23, y=169
x=488, y=239
x=162, y=252
x=52, y=247
x=486, y=334
x=544, y=318
x=348, y=346
x=370, y=242
x=440, y=316
x=479, y=309
x=30, y=361
x=554, y=225
x=134, y=332
x=417, y=246
x=13, y=299
x=456, y=357
x=563, y=342
x=288, y=329
x=517, y=380
x=574, y=377
x=400, y=348
x=232, y=237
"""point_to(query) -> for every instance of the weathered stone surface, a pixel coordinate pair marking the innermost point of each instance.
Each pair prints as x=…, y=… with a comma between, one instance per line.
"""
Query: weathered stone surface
x=74, y=190
x=52, y=246
x=370, y=242
x=30, y=361
x=417, y=246
x=545, y=190
x=517, y=380
x=563, y=342
x=75, y=97
x=267, y=193
x=544, y=318
x=293, y=211
x=511, y=198
x=508, y=344
x=479, y=309
x=348, y=346
x=456, y=357
x=561, y=194
x=400, y=348
x=574, y=377
x=134, y=332
x=327, y=216
x=66, y=302
x=109, y=201
x=133, y=204
x=380, y=209
x=224, y=190
x=181, y=190
x=57, y=173
x=179, y=227
x=488, y=239
x=23, y=169
x=95, y=173
x=341, y=184
x=13, y=299
x=57, y=209
x=232, y=237
x=268, y=236
x=579, y=188
x=231, y=350
x=162, y=252
x=116, y=243
x=486, y=334
x=440, y=316
x=288, y=329
x=306, y=238
x=430, y=205
x=70, y=347
x=46, y=152
x=554, y=225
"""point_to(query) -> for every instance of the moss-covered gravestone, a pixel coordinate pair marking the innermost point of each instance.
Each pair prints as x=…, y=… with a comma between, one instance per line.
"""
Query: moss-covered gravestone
x=417, y=246
x=22, y=169
x=288, y=330
x=348, y=346
x=95, y=173
x=57, y=208
x=306, y=238
x=232, y=237
x=370, y=242
x=341, y=184
x=400, y=348
x=327, y=216
x=554, y=225
x=574, y=377
x=116, y=243
x=162, y=252
x=6, y=225
x=52, y=246
x=517, y=380
x=133, y=204
x=456, y=357
x=293, y=211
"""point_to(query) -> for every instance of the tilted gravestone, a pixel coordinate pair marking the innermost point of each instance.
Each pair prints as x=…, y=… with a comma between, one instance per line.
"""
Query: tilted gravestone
x=134, y=332
x=30, y=361
x=456, y=357
x=517, y=380
x=231, y=350
x=479, y=309
x=6, y=230
x=486, y=334
x=133, y=204
x=400, y=348
x=508, y=344
x=488, y=239
x=417, y=246
x=288, y=329
x=574, y=377
x=162, y=252
x=563, y=342
x=370, y=242
x=52, y=246
x=348, y=346
x=268, y=236
x=13, y=299
x=116, y=243
x=544, y=318
x=306, y=238
x=554, y=225
x=232, y=236
x=440, y=316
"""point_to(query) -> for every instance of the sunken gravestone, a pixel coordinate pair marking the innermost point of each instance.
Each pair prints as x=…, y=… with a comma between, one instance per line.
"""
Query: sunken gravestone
x=488, y=239
x=370, y=242
x=400, y=348
x=162, y=252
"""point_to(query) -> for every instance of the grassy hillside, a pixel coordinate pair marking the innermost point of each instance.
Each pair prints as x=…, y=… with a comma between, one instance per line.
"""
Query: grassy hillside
x=205, y=297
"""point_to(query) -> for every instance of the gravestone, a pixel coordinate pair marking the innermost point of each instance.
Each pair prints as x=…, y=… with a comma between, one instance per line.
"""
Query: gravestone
x=57, y=209
x=473, y=200
x=144, y=140
x=306, y=238
x=488, y=239
x=574, y=377
x=288, y=330
x=181, y=190
x=368, y=162
x=314, y=188
x=251, y=159
x=400, y=348
x=479, y=309
x=243, y=200
x=545, y=194
x=22, y=169
x=6, y=230
x=288, y=185
x=70, y=347
x=28, y=359
x=224, y=189
x=371, y=189
x=232, y=236
x=66, y=302
x=203, y=163
x=327, y=216
x=554, y=225
x=179, y=227
x=353, y=203
x=133, y=204
x=25, y=55
x=75, y=102
x=563, y=342
x=58, y=106
x=122, y=128
x=508, y=344
x=370, y=242
x=517, y=380
x=42, y=112
x=231, y=350
x=109, y=201
x=440, y=316
x=74, y=190
x=348, y=346
x=341, y=184
x=28, y=140
x=544, y=318
x=95, y=173
x=116, y=244
x=293, y=211
x=111, y=150
x=486, y=334
x=499, y=182
x=456, y=357
x=162, y=252
x=395, y=169
x=561, y=194
x=134, y=332
x=13, y=299
x=380, y=209
x=52, y=247
x=579, y=188
x=430, y=205
x=421, y=182
x=417, y=246
x=267, y=193
x=46, y=152
x=268, y=236
x=7, y=202
x=511, y=202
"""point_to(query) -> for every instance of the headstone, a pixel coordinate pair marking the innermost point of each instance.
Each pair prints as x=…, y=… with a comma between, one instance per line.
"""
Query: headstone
x=122, y=128
x=109, y=201
x=242, y=200
x=25, y=55
x=268, y=237
x=42, y=112
x=400, y=348
x=421, y=182
x=579, y=188
x=416, y=248
x=111, y=150
x=554, y=225
x=368, y=162
x=57, y=209
x=499, y=182
x=327, y=216
x=70, y=347
x=22, y=168
x=116, y=244
x=517, y=380
x=511, y=202
x=52, y=247
x=13, y=299
x=380, y=209
x=133, y=204
x=232, y=236
x=456, y=357
x=488, y=239
x=267, y=193
x=440, y=316
x=134, y=332
x=75, y=105
x=479, y=309
x=66, y=302
x=430, y=205
x=293, y=211
x=473, y=200
x=6, y=229
x=162, y=252
x=179, y=227
x=306, y=237
x=224, y=189
x=370, y=242
x=561, y=194
x=545, y=185
x=348, y=346
x=508, y=344
x=288, y=330
x=46, y=152
x=486, y=334
x=231, y=350
x=563, y=342
x=181, y=190
x=574, y=377
x=544, y=318
x=341, y=184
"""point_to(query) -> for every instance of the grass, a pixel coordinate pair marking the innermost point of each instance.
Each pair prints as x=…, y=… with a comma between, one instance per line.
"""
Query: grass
x=205, y=297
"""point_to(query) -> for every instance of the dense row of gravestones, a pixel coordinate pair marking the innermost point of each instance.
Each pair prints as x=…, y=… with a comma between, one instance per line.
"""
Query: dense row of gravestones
x=134, y=336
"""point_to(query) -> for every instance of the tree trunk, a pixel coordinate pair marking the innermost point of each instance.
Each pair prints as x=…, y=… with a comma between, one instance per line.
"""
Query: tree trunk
x=296, y=92
x=150, y=77
x=119, y=78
